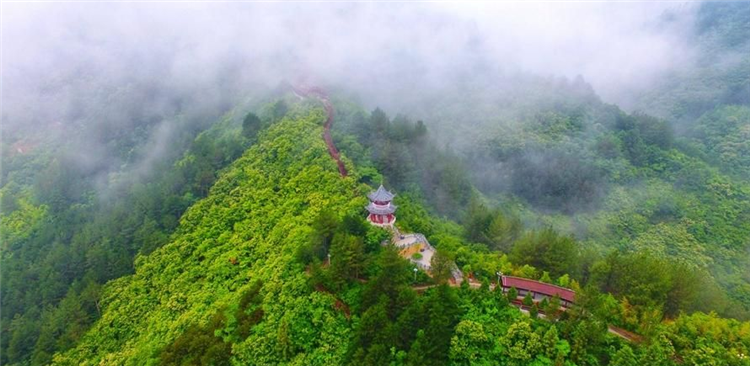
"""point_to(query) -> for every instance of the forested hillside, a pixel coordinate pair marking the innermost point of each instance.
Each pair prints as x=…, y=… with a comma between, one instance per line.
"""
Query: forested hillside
x=547, y=151
x=245, y=279
x=617, y=182
x=244, y=235
x=720, y=75
x=173, y=196
x=64, y=234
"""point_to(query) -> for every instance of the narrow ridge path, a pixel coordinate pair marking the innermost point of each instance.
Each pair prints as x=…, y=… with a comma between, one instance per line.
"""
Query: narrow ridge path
x=322, y=96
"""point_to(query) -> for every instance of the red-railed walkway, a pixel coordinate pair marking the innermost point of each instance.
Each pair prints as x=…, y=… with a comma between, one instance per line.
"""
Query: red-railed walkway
x=321, y=95
x=622, y=333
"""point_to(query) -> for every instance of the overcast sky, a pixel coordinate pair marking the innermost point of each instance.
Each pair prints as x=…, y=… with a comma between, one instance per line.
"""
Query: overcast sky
x=614, y=46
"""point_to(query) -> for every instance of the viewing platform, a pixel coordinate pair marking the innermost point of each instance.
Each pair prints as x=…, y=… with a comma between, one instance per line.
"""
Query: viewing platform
x=410, y=244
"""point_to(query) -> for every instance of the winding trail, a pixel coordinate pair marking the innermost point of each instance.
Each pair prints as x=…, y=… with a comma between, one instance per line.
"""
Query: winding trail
x=624, y=334
x=322, y=96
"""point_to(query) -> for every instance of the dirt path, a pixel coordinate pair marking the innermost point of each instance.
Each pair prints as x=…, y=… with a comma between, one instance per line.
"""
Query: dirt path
x=624, y=334
x=322, y=96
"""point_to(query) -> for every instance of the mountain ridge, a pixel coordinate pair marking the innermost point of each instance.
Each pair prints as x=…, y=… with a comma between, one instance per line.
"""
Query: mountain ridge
x=255, y=228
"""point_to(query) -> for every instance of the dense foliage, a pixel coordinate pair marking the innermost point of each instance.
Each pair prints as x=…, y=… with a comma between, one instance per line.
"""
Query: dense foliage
x=276, y=265
x=247, y=230
x=243, y=245
x=721, y=74
x=63, y=237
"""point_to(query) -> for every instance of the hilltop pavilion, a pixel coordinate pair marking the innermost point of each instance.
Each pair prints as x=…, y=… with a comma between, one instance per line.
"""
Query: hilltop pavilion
x=380, y=208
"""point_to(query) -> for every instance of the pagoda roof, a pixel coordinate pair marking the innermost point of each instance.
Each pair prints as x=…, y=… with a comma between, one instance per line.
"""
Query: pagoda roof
x=380, y=210
x=539, y=287
x=381, y=195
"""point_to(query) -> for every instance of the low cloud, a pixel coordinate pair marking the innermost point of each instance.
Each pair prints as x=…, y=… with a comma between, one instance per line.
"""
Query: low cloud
x=98, y=68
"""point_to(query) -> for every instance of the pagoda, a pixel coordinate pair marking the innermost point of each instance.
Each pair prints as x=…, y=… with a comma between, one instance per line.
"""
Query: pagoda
x=380, y=208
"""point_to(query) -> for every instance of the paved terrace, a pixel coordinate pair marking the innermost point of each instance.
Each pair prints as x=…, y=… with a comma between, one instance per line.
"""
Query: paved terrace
x=404, y=241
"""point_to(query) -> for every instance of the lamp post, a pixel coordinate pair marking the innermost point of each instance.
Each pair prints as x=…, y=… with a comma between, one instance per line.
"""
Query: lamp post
x=329, y=259
x=415, y=274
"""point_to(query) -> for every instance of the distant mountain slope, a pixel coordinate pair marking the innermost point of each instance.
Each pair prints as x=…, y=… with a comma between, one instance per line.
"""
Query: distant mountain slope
x=244, y=233
x=720, y=74
x=64, y=232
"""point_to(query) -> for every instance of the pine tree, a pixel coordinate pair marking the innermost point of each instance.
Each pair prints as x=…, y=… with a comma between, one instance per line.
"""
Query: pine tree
x=534, y=311
x=441, y=267
x=528, y=300
x=324, y=227
x=373, y=336
x=552, y=309
x=419, y=349
x=563, y=281
x=347, y=257
x=442, y=309
x=500, y=297
x=512, y=294
x=544, y=304
x=393, y=274
x=545, y=277
x=549, y=342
